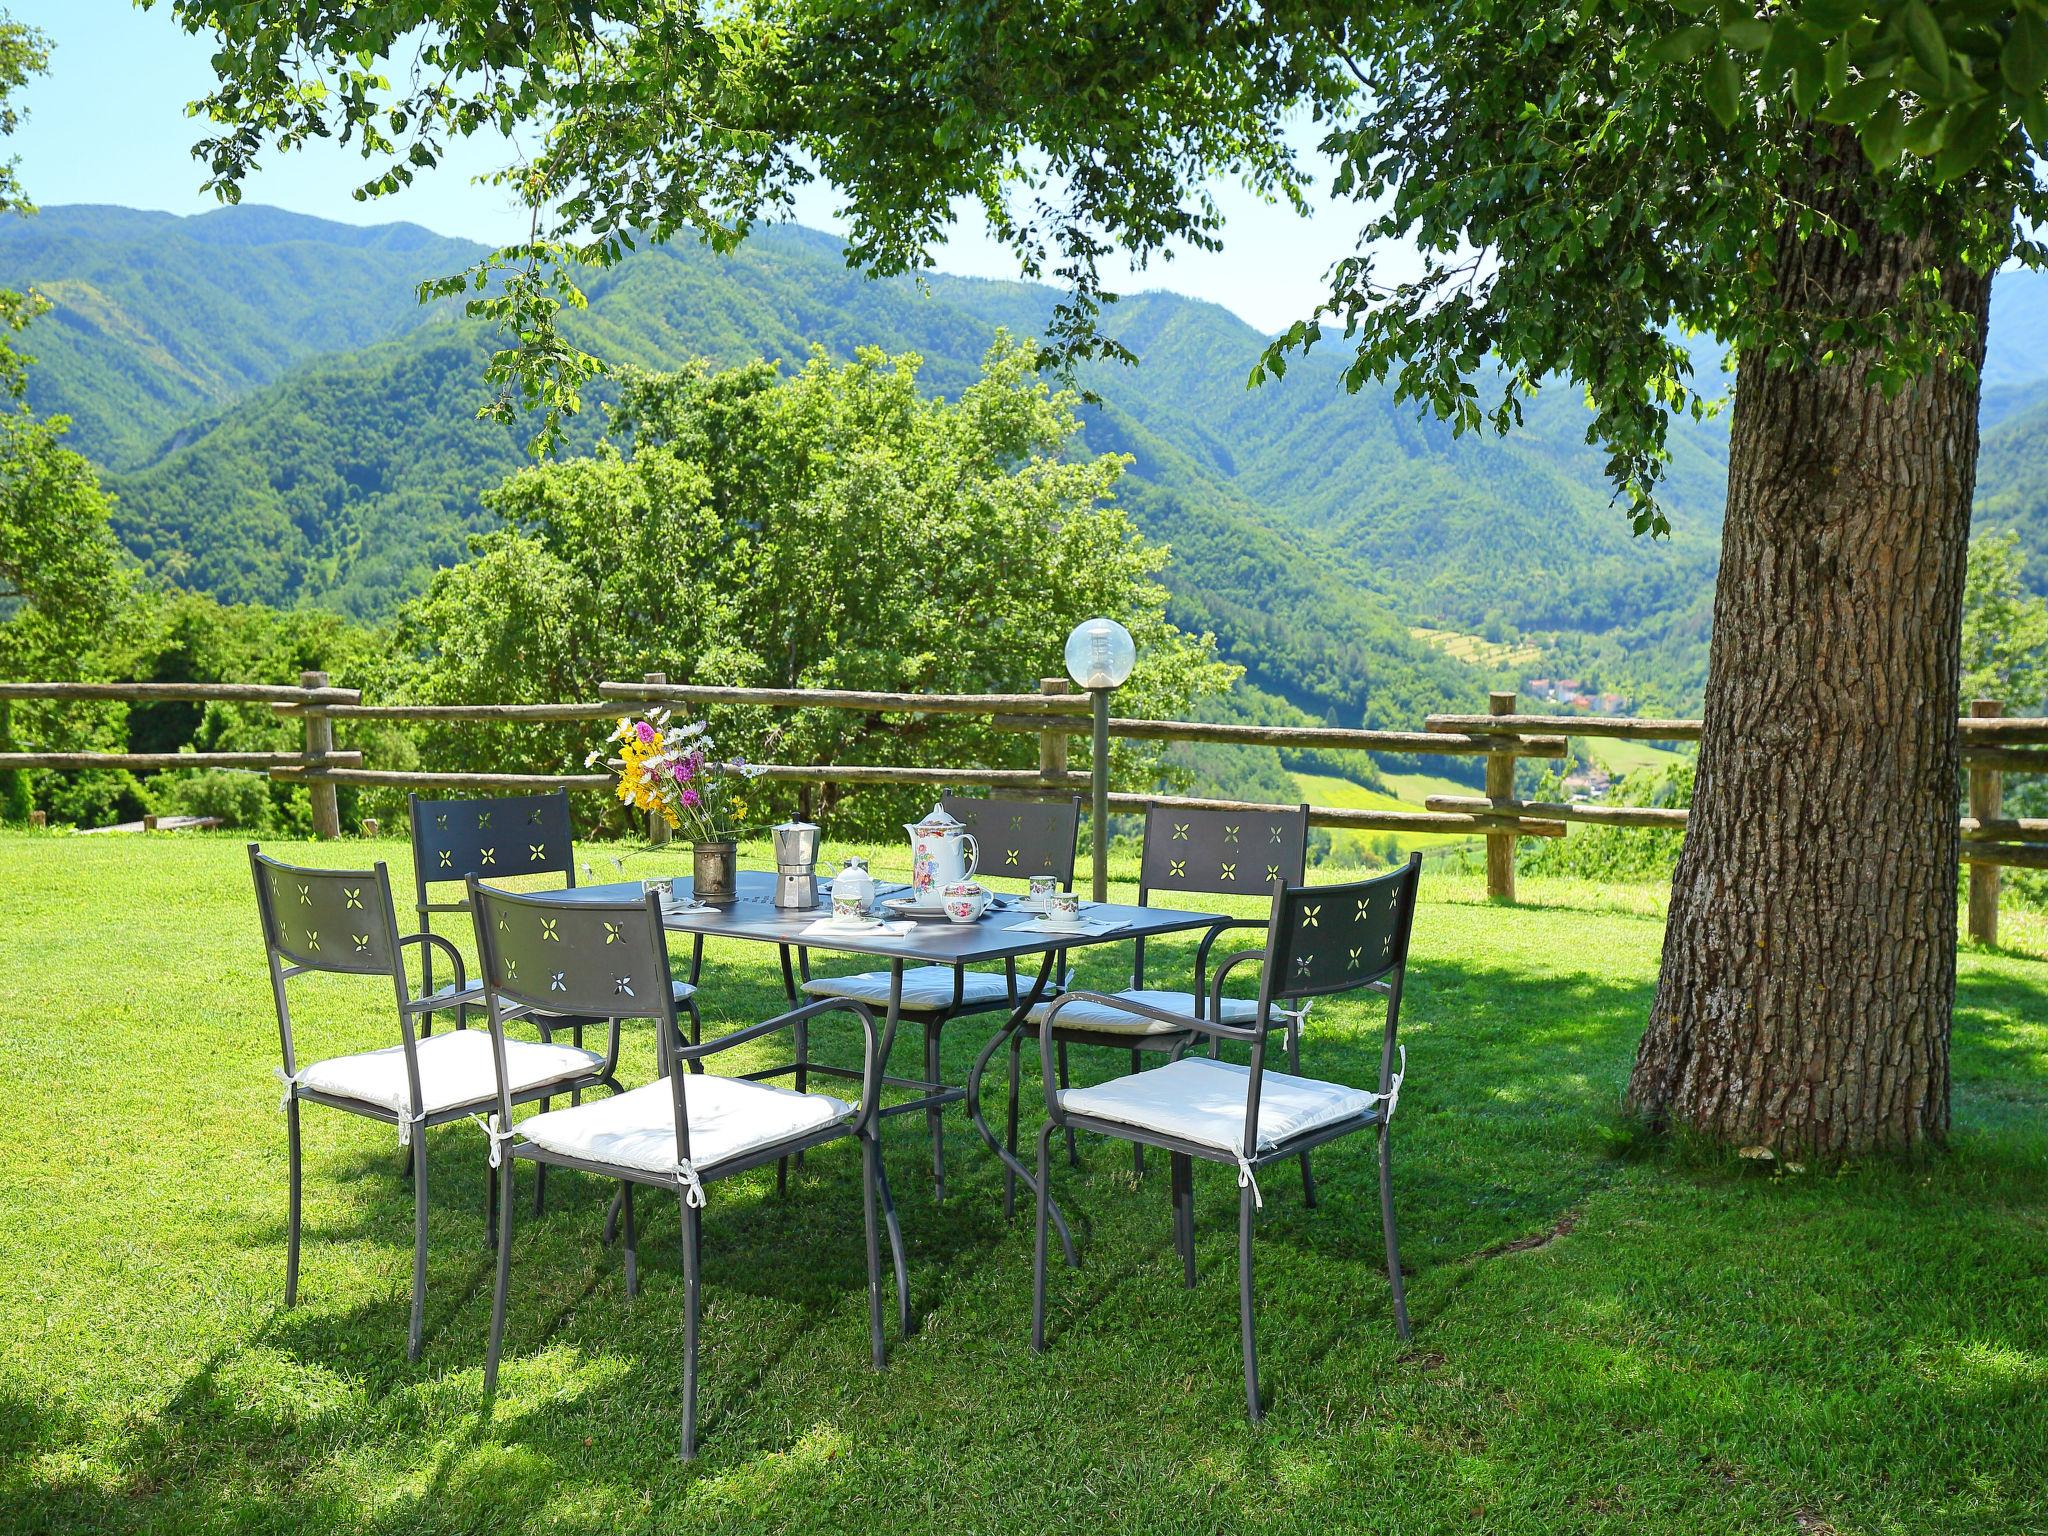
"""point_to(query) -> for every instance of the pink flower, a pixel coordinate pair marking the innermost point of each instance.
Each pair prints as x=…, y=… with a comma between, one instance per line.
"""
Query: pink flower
x=645, y=732
x=681, y=771
x=690, y=798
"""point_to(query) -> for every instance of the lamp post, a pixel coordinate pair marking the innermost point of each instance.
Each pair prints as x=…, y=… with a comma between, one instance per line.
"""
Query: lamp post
x=1100, y=655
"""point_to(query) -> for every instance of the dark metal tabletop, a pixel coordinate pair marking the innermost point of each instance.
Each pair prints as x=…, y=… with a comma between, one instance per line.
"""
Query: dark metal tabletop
x=996, y=936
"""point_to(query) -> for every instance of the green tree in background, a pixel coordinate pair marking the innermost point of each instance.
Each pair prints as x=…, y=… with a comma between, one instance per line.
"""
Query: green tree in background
x=57, y=576
x=827, y=529
x=2005, y=628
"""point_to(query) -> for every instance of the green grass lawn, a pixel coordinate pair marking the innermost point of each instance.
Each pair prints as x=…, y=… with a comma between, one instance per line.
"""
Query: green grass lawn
x=1605, y=1340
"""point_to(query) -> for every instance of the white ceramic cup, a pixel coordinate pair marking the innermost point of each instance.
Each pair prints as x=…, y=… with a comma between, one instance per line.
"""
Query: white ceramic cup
x=849, y=911
x=1063, y=910
x=1042, y=887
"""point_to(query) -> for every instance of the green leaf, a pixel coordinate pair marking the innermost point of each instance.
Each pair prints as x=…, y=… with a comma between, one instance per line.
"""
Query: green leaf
x=1924, y=133
x=1923, y=36
x=1724, y=86
x=2034, y=113
x=1884, y=135
x=1970, y=139
x=1807, y=79
x=1677, y=47
x=1746, y=36
x=1856, y=103
x=2024, y=59
x=1832, y=15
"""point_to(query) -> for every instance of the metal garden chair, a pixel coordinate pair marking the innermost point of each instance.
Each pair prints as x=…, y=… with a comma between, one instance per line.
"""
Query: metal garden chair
x=326, y=920
x=1187, y=852
x=496, y=838
x=1319, y=940
x=1017, y=839
x=679, y=1133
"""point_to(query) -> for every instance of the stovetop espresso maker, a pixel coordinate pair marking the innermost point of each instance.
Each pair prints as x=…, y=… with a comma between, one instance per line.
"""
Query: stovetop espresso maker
x=796, y=865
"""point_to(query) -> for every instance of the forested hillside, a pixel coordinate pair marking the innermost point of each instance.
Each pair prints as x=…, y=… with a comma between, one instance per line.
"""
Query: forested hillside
x=286, y=424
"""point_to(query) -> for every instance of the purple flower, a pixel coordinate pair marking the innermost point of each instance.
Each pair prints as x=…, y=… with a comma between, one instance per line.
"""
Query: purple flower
x=690, y=798
x=645, y=732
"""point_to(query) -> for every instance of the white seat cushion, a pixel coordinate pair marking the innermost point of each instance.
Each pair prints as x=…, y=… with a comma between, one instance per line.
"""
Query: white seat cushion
x=456, y=1069
x=1201, y=1100
x=729, y=1116
x=1102, y=1019
x=926, y=988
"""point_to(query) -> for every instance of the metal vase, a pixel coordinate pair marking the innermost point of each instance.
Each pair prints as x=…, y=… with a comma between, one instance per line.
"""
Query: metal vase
x=714, y=873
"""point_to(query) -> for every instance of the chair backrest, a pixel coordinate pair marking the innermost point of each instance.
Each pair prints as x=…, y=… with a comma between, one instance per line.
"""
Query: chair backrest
x=494, y=838
x=1220, y=853
x=1017, y=839
x=336, y=920
x=560, y=954
x=1337, y=938
x=563, y=954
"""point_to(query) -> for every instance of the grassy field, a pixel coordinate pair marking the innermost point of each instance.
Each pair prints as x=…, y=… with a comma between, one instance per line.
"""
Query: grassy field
x=1620, y=757
x=1608, y=1339
x=1409, y=789
x=1477, y=649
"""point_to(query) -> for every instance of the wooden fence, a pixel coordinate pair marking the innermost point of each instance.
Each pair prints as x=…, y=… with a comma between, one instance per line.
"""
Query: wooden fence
x=1993, y=745
x=313, y=696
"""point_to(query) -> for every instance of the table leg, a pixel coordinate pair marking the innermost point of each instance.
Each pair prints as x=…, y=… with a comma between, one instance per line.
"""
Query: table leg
x=1010, y=1162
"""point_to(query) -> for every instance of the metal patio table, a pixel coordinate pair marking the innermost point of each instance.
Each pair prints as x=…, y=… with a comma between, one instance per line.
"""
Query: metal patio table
x=996, y=937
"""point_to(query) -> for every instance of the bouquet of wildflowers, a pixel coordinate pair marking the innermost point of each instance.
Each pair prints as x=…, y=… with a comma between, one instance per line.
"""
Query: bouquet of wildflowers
x=677, y=772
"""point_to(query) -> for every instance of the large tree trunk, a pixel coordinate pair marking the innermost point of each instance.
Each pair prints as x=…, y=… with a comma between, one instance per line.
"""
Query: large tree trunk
x=1809, y=960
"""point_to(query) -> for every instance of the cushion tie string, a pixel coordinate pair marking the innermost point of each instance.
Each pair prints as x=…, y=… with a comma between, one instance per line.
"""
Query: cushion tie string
x=1247, y=1179
x=291, y=1087
x=406, y=1122
x=1392, y=1096
x=498, y=1136
x=693, y=1187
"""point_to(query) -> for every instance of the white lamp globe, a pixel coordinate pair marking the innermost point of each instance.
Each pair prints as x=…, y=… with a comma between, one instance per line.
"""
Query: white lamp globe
x=1100, y=654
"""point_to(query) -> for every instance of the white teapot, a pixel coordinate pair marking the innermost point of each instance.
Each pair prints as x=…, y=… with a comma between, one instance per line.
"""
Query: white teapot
x=942, y=853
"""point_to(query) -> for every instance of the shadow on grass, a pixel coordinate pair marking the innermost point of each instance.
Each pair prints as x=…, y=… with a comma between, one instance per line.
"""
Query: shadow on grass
x=1689, y=1314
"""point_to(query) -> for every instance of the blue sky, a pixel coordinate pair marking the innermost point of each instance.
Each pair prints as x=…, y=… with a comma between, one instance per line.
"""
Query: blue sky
x=108, y=125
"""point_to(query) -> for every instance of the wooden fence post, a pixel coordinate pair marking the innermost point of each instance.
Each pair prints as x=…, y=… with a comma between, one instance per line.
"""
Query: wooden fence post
x=657, y=829
x=1052, y=744
x=1500, y=785
x=319, y=743
x=1987, y=798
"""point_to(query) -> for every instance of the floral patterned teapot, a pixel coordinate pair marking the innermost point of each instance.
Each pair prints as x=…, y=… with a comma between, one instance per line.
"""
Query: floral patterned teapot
x=942, y=853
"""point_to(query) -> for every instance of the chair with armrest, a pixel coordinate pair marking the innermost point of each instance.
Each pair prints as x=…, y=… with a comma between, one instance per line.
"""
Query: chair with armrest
x=498, y=838
x=678, y=1134
x=1319, y=940
x=1187, y=851
x=344, y=922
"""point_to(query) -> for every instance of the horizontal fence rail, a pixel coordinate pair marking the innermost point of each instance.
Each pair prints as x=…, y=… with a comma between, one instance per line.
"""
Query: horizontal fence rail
x=1302, y=737
x=1992, y=744
x=842, y=698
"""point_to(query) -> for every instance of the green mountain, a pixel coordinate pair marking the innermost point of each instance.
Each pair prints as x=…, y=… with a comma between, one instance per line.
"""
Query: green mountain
x=285, y=424
x=158, y=320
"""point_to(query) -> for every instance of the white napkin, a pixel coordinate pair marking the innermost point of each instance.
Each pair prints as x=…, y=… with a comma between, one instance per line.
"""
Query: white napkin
x=826, y=929
x=1087, y=928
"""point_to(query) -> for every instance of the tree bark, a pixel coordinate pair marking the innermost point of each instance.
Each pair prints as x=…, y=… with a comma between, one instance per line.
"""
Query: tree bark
x=1809, y=961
